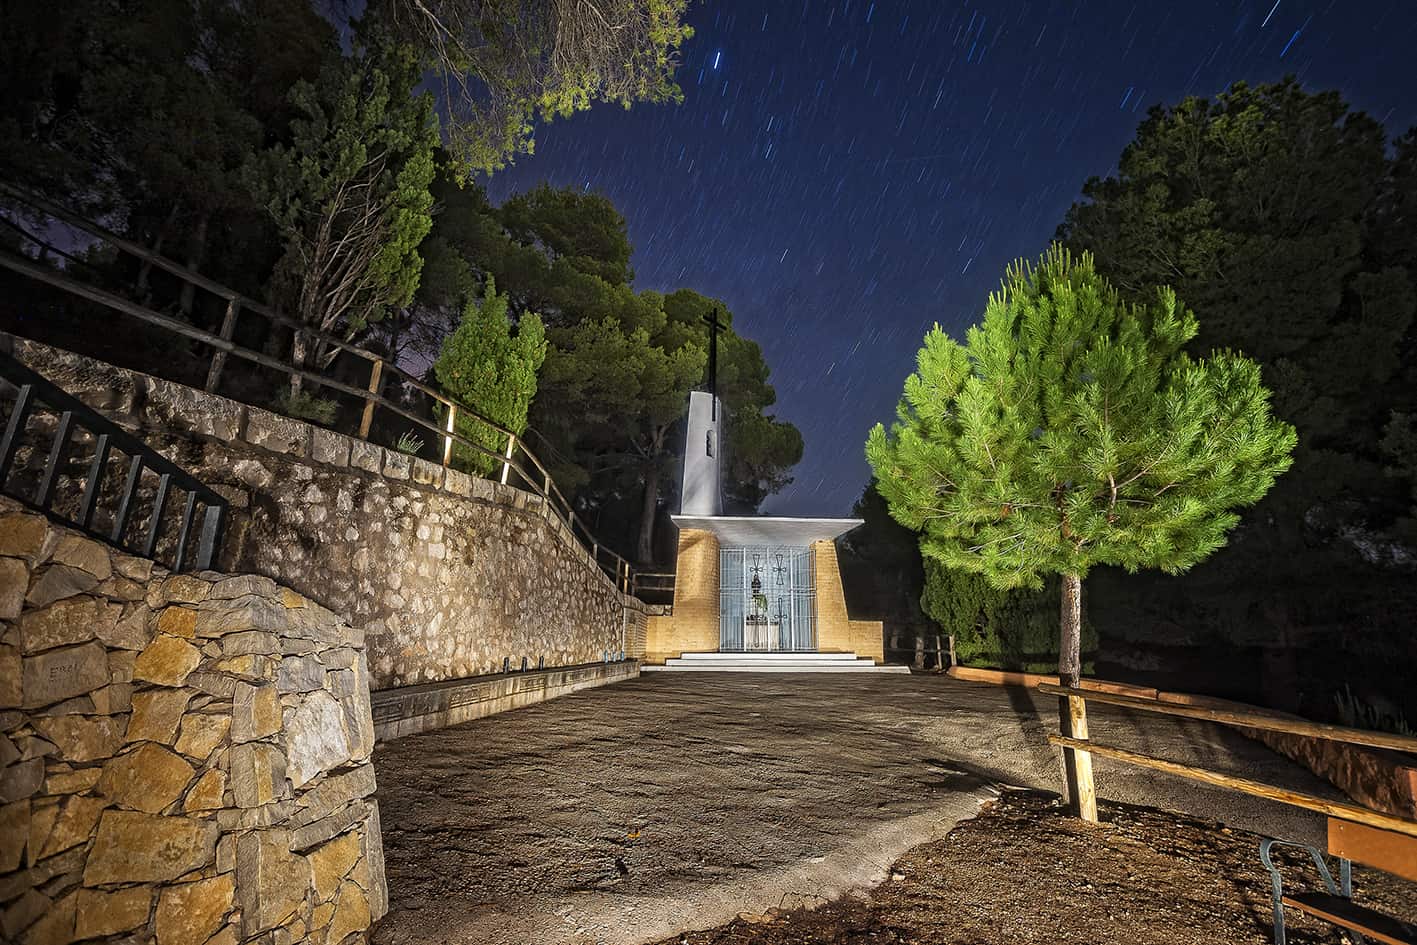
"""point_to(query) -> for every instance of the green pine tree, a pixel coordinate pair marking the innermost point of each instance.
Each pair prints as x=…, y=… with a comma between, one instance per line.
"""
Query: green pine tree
x=486, y=367
x=1072, y=430
x=350, y=196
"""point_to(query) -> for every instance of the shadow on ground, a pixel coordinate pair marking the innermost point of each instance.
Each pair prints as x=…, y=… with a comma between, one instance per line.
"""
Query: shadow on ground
x=673, y=802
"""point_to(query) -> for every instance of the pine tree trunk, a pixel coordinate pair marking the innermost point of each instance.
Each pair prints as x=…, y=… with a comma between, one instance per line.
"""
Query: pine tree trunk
x=298, y=352
x=146, y=268
x=195, y=259
x=1070, y=640
x=644, y=548
x=1072, y=718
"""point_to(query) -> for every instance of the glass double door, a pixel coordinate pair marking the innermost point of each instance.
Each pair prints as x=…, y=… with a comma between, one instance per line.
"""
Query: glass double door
x=766, y=600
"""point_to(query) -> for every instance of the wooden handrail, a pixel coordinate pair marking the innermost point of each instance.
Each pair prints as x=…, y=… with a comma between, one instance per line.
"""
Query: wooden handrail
x=58, y=280
x=246, y=302
x=1258, y=788
x=223, y=346
x=1258, y=720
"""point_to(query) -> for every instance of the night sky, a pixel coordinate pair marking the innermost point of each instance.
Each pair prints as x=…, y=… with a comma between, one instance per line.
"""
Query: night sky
x=845, y=174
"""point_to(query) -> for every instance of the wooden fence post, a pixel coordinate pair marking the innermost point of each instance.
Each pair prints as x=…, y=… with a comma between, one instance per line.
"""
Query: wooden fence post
x=228, y=328
x=366, y=421
x=953, y=660
x=448, y=440
x=939, y=652
x=507, y=466
x=1077, y=764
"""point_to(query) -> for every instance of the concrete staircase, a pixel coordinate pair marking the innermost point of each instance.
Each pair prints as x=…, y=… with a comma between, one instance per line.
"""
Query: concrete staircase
x=772, y=663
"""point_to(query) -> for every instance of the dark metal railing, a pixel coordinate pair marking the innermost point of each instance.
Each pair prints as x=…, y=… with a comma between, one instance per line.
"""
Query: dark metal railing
x=203, y=510
x=515, y=458
x=659, y=585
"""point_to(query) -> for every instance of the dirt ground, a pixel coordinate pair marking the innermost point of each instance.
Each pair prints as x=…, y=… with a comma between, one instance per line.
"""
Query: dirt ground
x=675, y=802
x=1025, y=872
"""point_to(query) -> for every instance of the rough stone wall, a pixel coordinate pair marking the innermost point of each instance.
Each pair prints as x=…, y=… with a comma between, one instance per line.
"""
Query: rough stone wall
x=412, y=709
x=448, y=574
x=185, y=758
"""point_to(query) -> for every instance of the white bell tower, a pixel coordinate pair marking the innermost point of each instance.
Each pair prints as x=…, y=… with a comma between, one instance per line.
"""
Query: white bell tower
x=703, y=449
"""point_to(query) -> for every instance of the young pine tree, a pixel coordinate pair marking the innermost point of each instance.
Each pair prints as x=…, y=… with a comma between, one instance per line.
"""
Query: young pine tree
x=1072, y=430
x=493, y=371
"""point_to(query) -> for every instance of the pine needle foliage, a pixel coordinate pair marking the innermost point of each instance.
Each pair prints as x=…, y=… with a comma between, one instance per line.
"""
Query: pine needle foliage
x=492, y=370
x=1072, y=430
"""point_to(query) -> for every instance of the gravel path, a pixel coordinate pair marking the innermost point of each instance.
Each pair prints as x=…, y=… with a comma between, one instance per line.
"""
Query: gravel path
x=676, y=801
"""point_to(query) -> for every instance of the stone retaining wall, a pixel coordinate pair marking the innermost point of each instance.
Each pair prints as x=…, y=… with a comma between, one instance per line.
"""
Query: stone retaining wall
x=447, y=574
x=185, y=759
x=413, y=709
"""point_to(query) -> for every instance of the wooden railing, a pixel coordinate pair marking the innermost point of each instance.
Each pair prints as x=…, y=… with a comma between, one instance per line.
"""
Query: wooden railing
x=514, y=459
x=659, y=585
x=1083, y=747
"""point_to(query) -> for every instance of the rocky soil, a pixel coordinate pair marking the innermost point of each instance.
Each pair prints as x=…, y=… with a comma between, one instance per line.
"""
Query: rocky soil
x=1026, y=873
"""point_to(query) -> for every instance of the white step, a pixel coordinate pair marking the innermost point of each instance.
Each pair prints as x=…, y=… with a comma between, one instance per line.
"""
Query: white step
x=772, y=655
x=773, y=663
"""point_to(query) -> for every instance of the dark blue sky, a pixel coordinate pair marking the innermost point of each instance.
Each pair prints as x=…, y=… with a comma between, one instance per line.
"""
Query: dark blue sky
x=845, y=174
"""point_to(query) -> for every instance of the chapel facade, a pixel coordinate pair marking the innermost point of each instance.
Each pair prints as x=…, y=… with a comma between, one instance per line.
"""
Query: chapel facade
x=759, y=589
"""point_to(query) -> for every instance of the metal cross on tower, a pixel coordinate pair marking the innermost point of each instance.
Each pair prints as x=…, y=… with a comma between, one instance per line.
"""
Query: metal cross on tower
x=714, y=327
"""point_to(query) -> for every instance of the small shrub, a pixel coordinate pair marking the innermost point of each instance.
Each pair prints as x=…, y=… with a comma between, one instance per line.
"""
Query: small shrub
x=492, y=370
x=1355, y=713
x=996, y=629
x=303, y=405
x=409, y=443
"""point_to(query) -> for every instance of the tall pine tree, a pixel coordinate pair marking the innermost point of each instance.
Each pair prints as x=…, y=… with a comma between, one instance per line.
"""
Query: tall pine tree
x=1072, y=430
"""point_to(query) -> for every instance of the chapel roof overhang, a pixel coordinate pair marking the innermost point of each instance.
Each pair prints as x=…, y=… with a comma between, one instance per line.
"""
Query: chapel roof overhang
x=738, y=530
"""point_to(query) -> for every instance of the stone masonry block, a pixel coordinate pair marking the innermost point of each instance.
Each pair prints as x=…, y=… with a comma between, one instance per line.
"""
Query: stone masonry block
x=271, y=881
x=276, y=433
x=327, y=446
x=426, y=473
x=366, y=456
x=62, y=674
x=458, y=483
x=132, y=846
x=316, y=736
x=180, y=407
x=255, y=712
x=241, y=586
x=378, y=889
x=397, y=465
x=257, y=774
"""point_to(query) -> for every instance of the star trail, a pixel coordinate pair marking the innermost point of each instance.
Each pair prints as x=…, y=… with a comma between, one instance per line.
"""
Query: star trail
x=846, y=174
